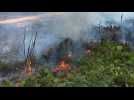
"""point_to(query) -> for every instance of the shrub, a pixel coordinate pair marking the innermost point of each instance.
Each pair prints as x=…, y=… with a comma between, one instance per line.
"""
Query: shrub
x=110, y=64
x=7, y=83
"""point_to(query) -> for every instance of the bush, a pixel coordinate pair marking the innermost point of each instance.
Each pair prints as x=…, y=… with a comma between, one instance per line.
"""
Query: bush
x=7, y=83
x=110, y=64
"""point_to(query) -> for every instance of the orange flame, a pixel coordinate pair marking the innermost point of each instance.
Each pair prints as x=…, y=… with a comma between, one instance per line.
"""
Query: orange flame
x=28, y=68
x=63, y=66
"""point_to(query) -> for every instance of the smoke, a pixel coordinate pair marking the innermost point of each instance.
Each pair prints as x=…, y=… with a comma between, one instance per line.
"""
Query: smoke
x=51, y=27
x=71, y=24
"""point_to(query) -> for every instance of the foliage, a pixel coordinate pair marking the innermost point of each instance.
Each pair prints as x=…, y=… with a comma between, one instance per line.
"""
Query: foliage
x=110, y=64
x=7, y=83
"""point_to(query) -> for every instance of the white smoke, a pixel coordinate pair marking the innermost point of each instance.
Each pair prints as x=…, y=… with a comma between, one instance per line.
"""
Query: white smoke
x=51, y=27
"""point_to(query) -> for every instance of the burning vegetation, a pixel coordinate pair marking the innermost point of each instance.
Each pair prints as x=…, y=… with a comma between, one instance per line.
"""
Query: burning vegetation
x=62, y=67
x=104, y=67
x=29, y=54
x=71, y=62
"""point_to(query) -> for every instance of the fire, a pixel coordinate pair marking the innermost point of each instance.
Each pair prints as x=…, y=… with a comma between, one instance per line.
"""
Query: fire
x=28, y=68
x=63, y=66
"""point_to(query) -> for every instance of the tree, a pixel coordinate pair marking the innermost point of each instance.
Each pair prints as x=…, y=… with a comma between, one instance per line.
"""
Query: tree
x=30, y=53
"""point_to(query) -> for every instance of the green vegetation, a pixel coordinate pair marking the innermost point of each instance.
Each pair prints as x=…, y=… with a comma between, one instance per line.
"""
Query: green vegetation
x=7, y=83
x=109, y=65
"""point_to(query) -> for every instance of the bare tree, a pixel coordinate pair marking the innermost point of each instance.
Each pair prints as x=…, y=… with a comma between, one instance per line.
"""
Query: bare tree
x=24, y=44
x=121, y=18
x=30, y=52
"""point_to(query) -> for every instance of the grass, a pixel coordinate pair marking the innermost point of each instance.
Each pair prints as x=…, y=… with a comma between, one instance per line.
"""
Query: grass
x=109, y=65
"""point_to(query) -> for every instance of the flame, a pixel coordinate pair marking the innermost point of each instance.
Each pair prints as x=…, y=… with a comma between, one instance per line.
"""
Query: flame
x=28, y=68
x=63, y=66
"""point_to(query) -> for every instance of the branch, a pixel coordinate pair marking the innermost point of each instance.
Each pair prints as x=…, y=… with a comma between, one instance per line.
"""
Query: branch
x=33, y=45
x=28, y=51
x=24, y=44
